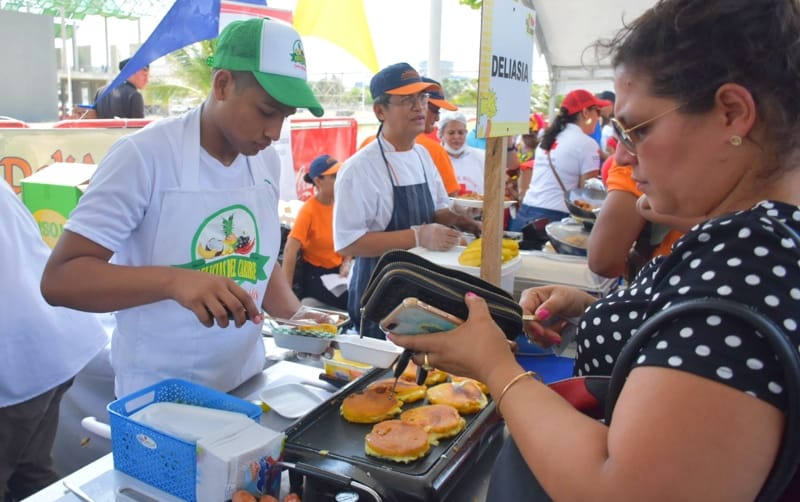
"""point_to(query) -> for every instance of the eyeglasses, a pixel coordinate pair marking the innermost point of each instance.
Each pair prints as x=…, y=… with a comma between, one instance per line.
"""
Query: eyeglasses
x=624, y=135
x=413, y=99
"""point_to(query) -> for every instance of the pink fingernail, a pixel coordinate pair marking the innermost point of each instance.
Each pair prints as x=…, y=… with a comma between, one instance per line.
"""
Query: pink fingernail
x=542, y=314
x=471, y=294
x=552, y=338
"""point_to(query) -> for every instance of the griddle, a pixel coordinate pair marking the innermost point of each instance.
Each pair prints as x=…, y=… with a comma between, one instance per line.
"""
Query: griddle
x=324, y=446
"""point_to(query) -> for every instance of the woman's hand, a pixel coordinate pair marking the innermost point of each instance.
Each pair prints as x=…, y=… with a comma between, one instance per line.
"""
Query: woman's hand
x=344, y=268
x=473, y=349
x=551, y=306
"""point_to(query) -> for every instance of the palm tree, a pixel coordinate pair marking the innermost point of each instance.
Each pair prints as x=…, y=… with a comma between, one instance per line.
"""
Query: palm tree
x=190, y=80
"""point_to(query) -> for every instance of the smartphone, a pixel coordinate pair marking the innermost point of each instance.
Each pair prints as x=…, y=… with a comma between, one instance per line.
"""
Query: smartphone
x=413, y=317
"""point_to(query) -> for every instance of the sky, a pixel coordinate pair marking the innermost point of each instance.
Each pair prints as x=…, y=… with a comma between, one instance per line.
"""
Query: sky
x=400, y=29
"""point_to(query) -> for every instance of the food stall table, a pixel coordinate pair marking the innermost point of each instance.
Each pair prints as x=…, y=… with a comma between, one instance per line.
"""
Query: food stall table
x=101, y=482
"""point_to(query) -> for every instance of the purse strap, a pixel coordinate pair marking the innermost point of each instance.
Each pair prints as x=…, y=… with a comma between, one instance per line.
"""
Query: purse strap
x=555, y=173
x=788, y=459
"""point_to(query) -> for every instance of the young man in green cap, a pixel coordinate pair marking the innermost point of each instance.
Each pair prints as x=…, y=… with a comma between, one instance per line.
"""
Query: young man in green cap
x=187, y=207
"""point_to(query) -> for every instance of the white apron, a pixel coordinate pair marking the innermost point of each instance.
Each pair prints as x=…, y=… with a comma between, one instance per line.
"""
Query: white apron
x=229, y=232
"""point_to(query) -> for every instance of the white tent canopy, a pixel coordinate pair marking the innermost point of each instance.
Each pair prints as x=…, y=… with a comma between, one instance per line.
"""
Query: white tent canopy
x=565, y=30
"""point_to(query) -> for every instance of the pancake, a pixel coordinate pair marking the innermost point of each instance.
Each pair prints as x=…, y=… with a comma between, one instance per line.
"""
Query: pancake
x=481, y=385
x=466, y=397
x=408, y=392
x=397, y=441
x=434, y=376
x=439, y=420
x=370, y=406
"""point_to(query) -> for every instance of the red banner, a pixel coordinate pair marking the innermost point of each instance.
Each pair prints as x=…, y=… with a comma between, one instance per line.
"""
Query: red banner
x=314, y=137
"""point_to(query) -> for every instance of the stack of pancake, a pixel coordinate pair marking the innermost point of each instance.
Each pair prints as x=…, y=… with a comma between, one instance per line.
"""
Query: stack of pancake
x=410, y=437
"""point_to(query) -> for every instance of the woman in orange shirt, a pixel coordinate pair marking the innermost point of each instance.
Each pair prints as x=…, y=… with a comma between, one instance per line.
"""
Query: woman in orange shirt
x=311, y=238
x=622, y=240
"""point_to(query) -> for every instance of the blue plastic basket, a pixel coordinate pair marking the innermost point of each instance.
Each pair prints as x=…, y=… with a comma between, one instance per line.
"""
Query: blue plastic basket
x=162, y=460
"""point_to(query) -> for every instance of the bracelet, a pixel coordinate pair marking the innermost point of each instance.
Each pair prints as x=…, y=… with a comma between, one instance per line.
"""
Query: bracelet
x=511, y=383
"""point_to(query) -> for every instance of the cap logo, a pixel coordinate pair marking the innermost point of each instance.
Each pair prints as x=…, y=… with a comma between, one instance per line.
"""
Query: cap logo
x=298, y=55
x=409, y=75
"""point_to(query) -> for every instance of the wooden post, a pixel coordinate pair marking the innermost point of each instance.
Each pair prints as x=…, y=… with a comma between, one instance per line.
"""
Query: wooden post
x=493, y=198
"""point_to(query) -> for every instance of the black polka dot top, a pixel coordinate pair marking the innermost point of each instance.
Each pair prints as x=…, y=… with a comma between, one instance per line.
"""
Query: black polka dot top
x=740, y=257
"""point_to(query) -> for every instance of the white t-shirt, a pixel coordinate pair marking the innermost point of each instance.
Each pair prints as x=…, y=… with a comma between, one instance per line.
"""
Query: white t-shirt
x=363, y=191
x=41, y=346
x=469, y=169
x=574, y=154
x=606, y=133
x=120, y=209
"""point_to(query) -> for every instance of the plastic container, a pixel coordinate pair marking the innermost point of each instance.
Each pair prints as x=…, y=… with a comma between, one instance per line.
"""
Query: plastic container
x=343, y=369
x=290, y=338
x=449, y=259
x=542, y=268
x=157, y=458
x=372, y=351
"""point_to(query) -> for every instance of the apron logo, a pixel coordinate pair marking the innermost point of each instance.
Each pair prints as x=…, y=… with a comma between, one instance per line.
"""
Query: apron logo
x=226, y=244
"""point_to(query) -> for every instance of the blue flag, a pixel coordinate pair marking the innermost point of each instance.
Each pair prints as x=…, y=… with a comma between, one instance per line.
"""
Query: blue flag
x=187, y=22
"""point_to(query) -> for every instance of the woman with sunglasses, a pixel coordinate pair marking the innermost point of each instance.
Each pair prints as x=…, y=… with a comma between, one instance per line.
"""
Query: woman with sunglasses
x=566, y=158
x=708, y=95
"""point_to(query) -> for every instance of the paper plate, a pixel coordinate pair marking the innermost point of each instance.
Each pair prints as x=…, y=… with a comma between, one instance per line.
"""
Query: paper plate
x=291, y=400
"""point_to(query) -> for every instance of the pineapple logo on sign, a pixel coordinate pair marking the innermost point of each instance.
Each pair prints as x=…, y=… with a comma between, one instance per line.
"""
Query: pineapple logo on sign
x=227, y=244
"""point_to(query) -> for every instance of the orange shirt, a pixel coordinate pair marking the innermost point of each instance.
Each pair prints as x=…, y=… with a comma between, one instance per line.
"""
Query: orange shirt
x=619, y=178
x=440, y=159
x=313, y=227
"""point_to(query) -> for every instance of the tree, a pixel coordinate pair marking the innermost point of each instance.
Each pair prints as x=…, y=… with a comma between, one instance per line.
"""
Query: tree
x=540, y=98
x=191, y=77
x=473, y=4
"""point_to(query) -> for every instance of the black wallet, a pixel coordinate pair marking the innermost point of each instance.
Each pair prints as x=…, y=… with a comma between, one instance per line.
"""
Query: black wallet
x=401, y=274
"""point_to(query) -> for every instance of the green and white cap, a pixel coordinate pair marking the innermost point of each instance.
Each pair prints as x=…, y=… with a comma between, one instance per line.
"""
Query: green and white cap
x=273, y=52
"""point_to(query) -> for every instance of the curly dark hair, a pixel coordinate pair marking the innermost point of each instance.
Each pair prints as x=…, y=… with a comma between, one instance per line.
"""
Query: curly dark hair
x=689, y=48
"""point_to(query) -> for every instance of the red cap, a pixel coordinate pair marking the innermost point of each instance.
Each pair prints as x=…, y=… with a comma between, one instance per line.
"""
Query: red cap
x=580, y=99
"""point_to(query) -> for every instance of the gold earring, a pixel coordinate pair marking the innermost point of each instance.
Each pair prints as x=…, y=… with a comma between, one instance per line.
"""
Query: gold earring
x=589, y=121
x=735, y=140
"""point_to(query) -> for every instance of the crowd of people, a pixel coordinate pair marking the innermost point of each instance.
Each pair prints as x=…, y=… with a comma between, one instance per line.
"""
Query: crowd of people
x=696, y=148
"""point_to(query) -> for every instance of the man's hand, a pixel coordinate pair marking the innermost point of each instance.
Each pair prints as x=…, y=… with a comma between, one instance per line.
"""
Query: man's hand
x=435, y=236
x=214, y=299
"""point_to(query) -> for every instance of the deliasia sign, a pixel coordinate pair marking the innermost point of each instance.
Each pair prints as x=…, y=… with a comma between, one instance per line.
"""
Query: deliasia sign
x=504, y=77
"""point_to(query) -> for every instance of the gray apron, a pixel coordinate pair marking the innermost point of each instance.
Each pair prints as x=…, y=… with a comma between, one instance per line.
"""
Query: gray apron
x=413, y=205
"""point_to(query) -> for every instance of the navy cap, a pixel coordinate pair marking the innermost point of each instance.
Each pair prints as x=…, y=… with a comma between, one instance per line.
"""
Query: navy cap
x=323, y=165
x=125, y=62
x=437, y=95
x=398, y=79
x=607, y=95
